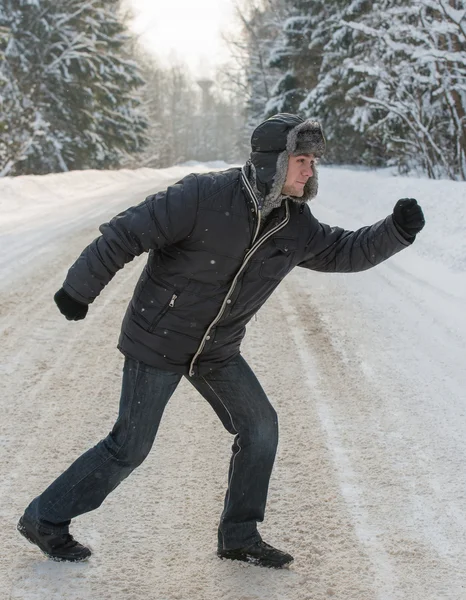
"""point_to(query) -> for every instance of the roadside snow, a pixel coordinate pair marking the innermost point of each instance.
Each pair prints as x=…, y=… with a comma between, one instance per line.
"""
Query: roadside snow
x=38, y=211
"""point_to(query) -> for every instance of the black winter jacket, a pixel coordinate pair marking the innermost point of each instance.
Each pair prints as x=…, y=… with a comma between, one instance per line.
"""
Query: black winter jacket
x=209, y=270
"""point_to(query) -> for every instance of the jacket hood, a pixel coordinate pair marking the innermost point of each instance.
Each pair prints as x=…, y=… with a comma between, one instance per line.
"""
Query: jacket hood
x=272, y=143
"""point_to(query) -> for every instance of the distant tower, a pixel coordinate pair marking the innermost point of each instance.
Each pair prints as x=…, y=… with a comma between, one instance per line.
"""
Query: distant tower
x=205, y=85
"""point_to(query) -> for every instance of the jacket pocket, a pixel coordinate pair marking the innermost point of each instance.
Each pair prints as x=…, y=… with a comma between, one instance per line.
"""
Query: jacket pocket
x=279, y=261
x=151, y=303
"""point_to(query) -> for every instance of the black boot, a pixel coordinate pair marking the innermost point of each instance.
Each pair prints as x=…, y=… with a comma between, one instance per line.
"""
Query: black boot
x=260, y=554
x=60, y=547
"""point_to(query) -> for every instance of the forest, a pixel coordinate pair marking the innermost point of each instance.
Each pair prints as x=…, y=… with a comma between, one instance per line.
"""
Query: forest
x=387, y=80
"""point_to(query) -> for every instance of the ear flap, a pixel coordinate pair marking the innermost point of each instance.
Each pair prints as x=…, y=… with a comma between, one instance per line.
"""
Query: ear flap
x=312, y=186
x=279, y=179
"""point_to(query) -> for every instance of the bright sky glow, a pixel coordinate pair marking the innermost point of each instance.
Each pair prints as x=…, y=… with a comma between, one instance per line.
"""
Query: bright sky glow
x=187, y=30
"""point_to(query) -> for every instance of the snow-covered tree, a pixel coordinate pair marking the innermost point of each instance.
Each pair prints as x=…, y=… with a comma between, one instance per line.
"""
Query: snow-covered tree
x=251, y=80
x=68, y=87
x=261, y=29
x=399, y=71
x=446, y=28
x=326, y=93
x=297, y=52
x=171, y=102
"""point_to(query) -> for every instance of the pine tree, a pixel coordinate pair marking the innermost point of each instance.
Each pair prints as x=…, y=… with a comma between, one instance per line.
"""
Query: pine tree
x=397, y=67
x=297, y=52
x=261, y=30
x=66, y=72
x=447, y=41
x=16, y=111
x=327, y=99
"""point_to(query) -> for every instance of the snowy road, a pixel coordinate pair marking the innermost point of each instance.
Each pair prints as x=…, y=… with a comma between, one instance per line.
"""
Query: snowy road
x=366, y=371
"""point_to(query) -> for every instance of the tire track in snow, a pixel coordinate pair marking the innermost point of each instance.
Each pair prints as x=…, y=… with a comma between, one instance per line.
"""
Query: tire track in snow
x=384, y=571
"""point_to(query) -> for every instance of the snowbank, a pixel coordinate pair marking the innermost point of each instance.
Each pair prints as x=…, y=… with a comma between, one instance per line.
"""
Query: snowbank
x=348, y=197
x=352, y=198
x=37, y=193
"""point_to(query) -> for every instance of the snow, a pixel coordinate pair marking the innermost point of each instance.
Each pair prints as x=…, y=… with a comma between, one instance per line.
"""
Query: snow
x=440, y=252
x=366, y=372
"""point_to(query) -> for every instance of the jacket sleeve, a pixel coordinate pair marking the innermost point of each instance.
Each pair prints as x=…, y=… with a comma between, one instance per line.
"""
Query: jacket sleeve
x=162, y=219
x=335, y=250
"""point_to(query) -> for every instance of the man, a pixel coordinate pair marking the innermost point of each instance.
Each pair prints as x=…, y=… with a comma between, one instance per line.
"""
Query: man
x=219, y=244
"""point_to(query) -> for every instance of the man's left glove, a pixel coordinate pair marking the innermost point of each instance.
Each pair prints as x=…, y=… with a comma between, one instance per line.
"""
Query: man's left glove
x=408, y=218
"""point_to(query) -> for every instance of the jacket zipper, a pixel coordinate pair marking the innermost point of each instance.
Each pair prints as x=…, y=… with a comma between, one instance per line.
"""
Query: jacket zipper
x=171, y=304
x=255, y=245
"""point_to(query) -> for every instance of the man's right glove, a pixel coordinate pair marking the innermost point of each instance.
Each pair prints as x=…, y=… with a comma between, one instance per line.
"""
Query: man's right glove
x=71, y=308
x=408, y=218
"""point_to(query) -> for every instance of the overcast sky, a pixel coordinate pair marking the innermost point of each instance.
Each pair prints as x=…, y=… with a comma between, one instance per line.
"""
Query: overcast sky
x=187, y=29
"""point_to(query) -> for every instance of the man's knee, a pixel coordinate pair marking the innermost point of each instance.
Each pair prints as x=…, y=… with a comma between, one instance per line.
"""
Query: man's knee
x=130, y=454
x=263, y=434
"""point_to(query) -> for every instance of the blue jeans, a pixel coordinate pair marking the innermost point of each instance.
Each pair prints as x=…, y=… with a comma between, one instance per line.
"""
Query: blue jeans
x=242, y=406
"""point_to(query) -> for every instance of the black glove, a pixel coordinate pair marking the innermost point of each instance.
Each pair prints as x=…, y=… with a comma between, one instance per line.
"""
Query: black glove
x=71, y=308
x=408, y=218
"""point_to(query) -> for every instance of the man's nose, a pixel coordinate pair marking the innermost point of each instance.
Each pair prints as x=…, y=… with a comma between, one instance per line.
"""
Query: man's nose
x=308, y=172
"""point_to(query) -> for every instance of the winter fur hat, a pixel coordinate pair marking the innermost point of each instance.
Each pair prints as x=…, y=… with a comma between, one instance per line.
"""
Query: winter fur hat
x=273, y=142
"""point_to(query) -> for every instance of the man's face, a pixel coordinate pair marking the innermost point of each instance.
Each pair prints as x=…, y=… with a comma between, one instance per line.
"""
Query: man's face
x=300, y=169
